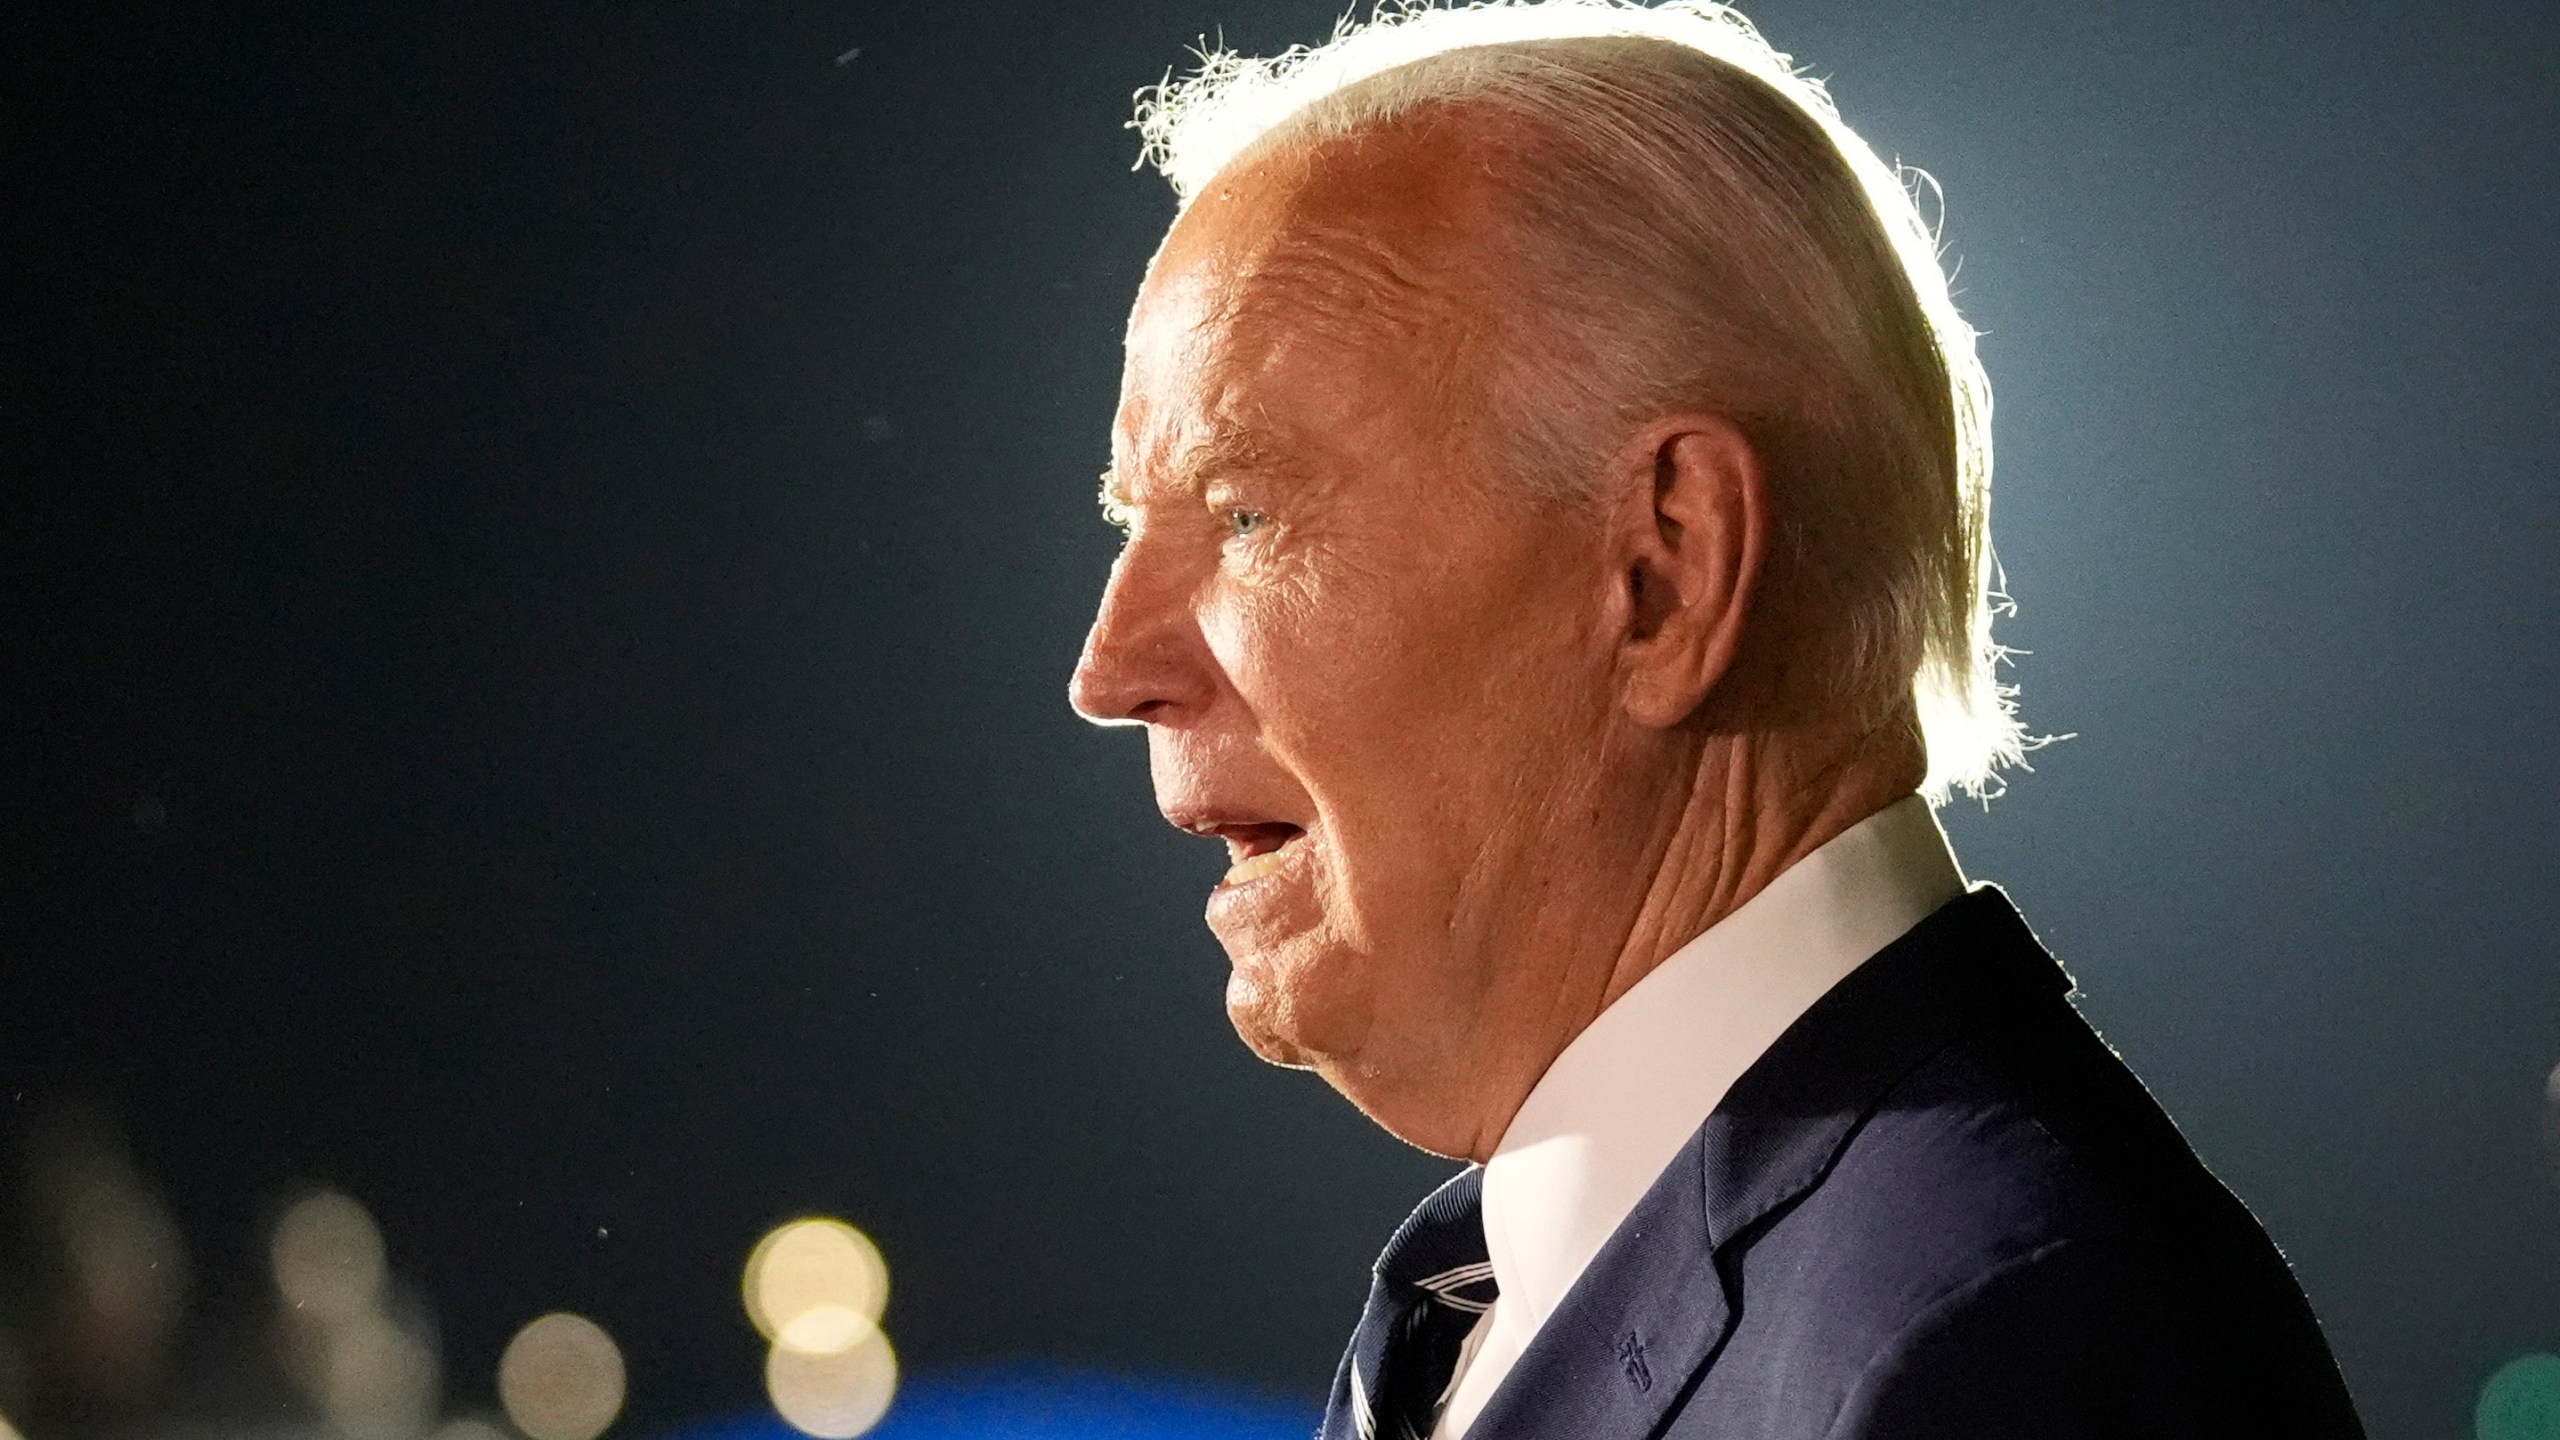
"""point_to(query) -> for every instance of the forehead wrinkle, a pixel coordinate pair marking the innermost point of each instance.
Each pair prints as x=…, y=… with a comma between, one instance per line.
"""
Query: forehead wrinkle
x=1365, y=298
x=1345, y=281
x=1379, y=251
x=1401, y=228
x=1227, y=425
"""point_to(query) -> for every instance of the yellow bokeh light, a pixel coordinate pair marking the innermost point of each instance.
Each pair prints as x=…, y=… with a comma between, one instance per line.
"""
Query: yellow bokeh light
x=328, y=1257
x=561, y=1378
x=833, y=1395
x=824, y=1329
x=366, y=1360
x=816, y=1287
x=376, y=1380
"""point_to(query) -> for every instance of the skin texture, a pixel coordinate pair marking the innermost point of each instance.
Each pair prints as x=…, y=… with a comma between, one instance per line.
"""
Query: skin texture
x=1486, y=724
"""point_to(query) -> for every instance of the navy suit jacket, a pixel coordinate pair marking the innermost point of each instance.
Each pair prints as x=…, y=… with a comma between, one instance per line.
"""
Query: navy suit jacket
x=1938, y=1206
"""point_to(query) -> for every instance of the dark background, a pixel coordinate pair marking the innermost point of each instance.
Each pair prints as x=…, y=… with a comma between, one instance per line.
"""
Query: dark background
x=543, y=545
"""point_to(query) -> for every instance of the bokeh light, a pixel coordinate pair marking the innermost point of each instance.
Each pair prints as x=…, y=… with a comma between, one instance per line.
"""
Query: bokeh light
x=467, y=1428
x=816, y=1286
x=2551, y=1125
x=375, y=1380
x=122, y=1261
x=370, y=1365
x=833, y=1395
x=2521, y=1401
x=561, y=1378
x=328, y=1257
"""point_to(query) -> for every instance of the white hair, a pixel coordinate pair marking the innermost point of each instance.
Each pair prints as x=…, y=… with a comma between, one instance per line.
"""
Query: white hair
x=1685, y=215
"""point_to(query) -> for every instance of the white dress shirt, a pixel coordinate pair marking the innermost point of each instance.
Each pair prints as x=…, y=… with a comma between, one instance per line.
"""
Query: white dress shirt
x=1614, y=1109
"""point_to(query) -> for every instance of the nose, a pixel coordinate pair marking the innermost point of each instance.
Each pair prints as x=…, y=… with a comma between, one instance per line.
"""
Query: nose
x=1145, y=661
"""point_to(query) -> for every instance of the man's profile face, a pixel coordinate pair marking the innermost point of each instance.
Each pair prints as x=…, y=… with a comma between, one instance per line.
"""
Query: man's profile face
x=1362, y=662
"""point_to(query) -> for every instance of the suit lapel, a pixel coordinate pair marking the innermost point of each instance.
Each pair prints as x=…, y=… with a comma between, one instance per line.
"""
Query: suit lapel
x=1647, y=1317
x=1786, y=1120
x=1643, y=1319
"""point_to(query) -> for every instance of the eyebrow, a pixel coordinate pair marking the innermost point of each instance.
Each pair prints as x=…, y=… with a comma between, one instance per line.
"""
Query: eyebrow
x=1228, y=447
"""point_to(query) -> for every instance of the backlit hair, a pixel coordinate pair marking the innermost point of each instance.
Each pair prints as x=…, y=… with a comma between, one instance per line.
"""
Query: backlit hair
x=1696, y=227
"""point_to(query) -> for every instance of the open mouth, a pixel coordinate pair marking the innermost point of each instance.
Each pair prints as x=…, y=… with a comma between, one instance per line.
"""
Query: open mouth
x=1254, y=851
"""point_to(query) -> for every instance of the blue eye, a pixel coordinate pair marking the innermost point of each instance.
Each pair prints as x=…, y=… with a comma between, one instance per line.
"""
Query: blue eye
x=1245, y=522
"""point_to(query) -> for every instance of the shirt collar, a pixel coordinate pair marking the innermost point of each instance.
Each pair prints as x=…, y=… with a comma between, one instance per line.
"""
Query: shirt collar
x=1613, y=1109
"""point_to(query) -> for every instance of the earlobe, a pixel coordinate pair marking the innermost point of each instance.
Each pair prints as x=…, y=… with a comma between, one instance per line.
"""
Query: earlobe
x=1694, y=529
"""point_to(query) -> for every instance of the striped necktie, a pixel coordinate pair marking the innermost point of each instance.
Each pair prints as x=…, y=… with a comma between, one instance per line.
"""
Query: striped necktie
x=1428, y=1291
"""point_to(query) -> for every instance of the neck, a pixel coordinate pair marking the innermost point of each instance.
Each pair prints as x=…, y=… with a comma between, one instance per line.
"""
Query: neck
x=1757, y=804
x=1736, y=811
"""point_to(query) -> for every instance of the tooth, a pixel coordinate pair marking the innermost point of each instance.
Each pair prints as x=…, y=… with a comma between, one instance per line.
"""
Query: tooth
x=1253, y=867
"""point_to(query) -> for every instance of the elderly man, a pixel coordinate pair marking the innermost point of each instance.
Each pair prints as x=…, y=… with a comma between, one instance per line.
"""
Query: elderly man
x=1555, y=486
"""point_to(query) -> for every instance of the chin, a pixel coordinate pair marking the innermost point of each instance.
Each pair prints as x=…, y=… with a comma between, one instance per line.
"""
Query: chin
x=1286, y=1021
x=1261, y=1022
x=1289, y=1009
x=1268, y=1045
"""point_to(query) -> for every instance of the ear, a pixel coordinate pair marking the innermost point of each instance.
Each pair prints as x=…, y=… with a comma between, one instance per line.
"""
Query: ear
x=1691, y=527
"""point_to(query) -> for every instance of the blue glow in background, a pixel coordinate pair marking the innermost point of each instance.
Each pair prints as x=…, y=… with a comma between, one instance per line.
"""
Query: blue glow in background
x=1042, y=1403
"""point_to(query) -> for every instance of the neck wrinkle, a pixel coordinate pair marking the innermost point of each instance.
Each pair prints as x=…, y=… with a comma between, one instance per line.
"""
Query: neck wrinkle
x=1758, y=803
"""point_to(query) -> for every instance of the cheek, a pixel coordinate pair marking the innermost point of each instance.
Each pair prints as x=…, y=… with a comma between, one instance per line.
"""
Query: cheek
x=1408, y=721
x=1409, y=685
x=1337, y=679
